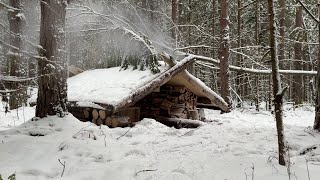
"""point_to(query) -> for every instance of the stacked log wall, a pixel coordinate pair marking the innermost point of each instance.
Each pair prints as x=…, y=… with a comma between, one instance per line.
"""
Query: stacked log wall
x=170, y=101
x=166, y=101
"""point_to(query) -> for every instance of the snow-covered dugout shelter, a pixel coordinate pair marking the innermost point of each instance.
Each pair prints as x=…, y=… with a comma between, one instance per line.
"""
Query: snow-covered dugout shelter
x=119, y=98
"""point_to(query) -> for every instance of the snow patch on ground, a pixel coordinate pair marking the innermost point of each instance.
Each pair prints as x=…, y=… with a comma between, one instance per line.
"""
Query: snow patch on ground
x=14, y=117
x=229, y=146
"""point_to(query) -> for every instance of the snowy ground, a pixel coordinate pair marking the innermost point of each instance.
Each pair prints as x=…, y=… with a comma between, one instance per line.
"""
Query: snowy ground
x=233, y=146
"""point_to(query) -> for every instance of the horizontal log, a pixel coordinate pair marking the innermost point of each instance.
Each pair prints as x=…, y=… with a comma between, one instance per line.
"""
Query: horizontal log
x=179, y=122
x=254, y=71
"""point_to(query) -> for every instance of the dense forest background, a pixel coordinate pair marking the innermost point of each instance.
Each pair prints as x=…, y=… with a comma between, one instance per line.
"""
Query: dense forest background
x=249, y=51
x=102, y=34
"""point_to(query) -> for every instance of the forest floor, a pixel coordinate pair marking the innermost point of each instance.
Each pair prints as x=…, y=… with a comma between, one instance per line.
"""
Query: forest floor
x=240, y=145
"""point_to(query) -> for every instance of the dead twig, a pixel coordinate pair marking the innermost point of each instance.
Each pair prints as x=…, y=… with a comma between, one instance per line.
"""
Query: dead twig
x=252, y=173
x=75, y=135
x=145, y=170
x=64, y=166
x=307, y=168
x=124, y=134
x=105, y=136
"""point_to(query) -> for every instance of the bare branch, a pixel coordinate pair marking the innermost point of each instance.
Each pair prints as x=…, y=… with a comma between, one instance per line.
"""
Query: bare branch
x=308, y=12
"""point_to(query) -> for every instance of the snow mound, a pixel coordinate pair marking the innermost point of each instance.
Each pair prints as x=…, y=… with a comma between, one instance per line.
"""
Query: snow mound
x=226, y=147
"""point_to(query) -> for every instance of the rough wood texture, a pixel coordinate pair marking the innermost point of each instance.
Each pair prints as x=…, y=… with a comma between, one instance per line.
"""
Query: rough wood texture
x=108, y=121
x=120, y=121
x=186, y=76
x=16, y=60
x=95, y=114
x=52, y=64
x=102, y=114
x=150, y=86
x=133, y=113
x=277, y=92
x=86, y=113
x=193, y=115
x=171, y=101
x=99, y=121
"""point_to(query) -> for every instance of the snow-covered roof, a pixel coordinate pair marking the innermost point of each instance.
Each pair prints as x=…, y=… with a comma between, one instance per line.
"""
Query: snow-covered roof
x=107, y=86
x=115, y=88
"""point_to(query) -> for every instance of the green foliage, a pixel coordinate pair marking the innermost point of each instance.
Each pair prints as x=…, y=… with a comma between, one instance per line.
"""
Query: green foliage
x=11, y=177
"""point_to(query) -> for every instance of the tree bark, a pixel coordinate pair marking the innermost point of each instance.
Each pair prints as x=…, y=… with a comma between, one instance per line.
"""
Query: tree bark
x=282, y=29
x=277, y=92
x=224, y=52
x=16, y=25
x=297, y=85
x=174, y=6
x=239, y=59
x=52, y=93
x=317, y=116
x=213, y=27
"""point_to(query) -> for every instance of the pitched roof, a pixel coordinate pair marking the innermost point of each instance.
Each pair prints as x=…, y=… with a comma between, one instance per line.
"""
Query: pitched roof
x=114, y=89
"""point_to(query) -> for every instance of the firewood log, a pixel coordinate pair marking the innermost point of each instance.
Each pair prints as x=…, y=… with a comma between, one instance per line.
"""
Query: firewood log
x=95, y=114
x=166, y=104
x=120, y=121
x=193, y=115
x=102, y=114
x=108, y=121
x=94, y=121
x=86, y=113
x=99, y=121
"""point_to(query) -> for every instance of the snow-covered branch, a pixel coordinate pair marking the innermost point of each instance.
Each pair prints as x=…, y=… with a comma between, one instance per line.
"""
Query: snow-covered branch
x=255, y=71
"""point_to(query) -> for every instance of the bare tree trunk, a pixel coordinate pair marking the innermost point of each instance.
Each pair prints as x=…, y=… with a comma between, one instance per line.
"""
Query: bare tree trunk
x=224, y=52
x=239, y=82
x=257, y=37
x=16, y=23
x=317, y=116
x=297, y=87
x=189, y=21
x=174, y=6
x=213, y=27
x=282, y=28
x=277, y=92
x=152, y=8
x=52, y=93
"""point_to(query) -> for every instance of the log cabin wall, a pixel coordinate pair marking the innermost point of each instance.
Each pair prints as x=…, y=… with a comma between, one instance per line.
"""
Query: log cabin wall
x=169, y=101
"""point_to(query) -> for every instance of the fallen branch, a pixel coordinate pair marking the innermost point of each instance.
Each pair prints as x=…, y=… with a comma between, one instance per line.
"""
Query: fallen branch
x=64, y=166
x=145, y=170
x=254, y=71
x=124, y=133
